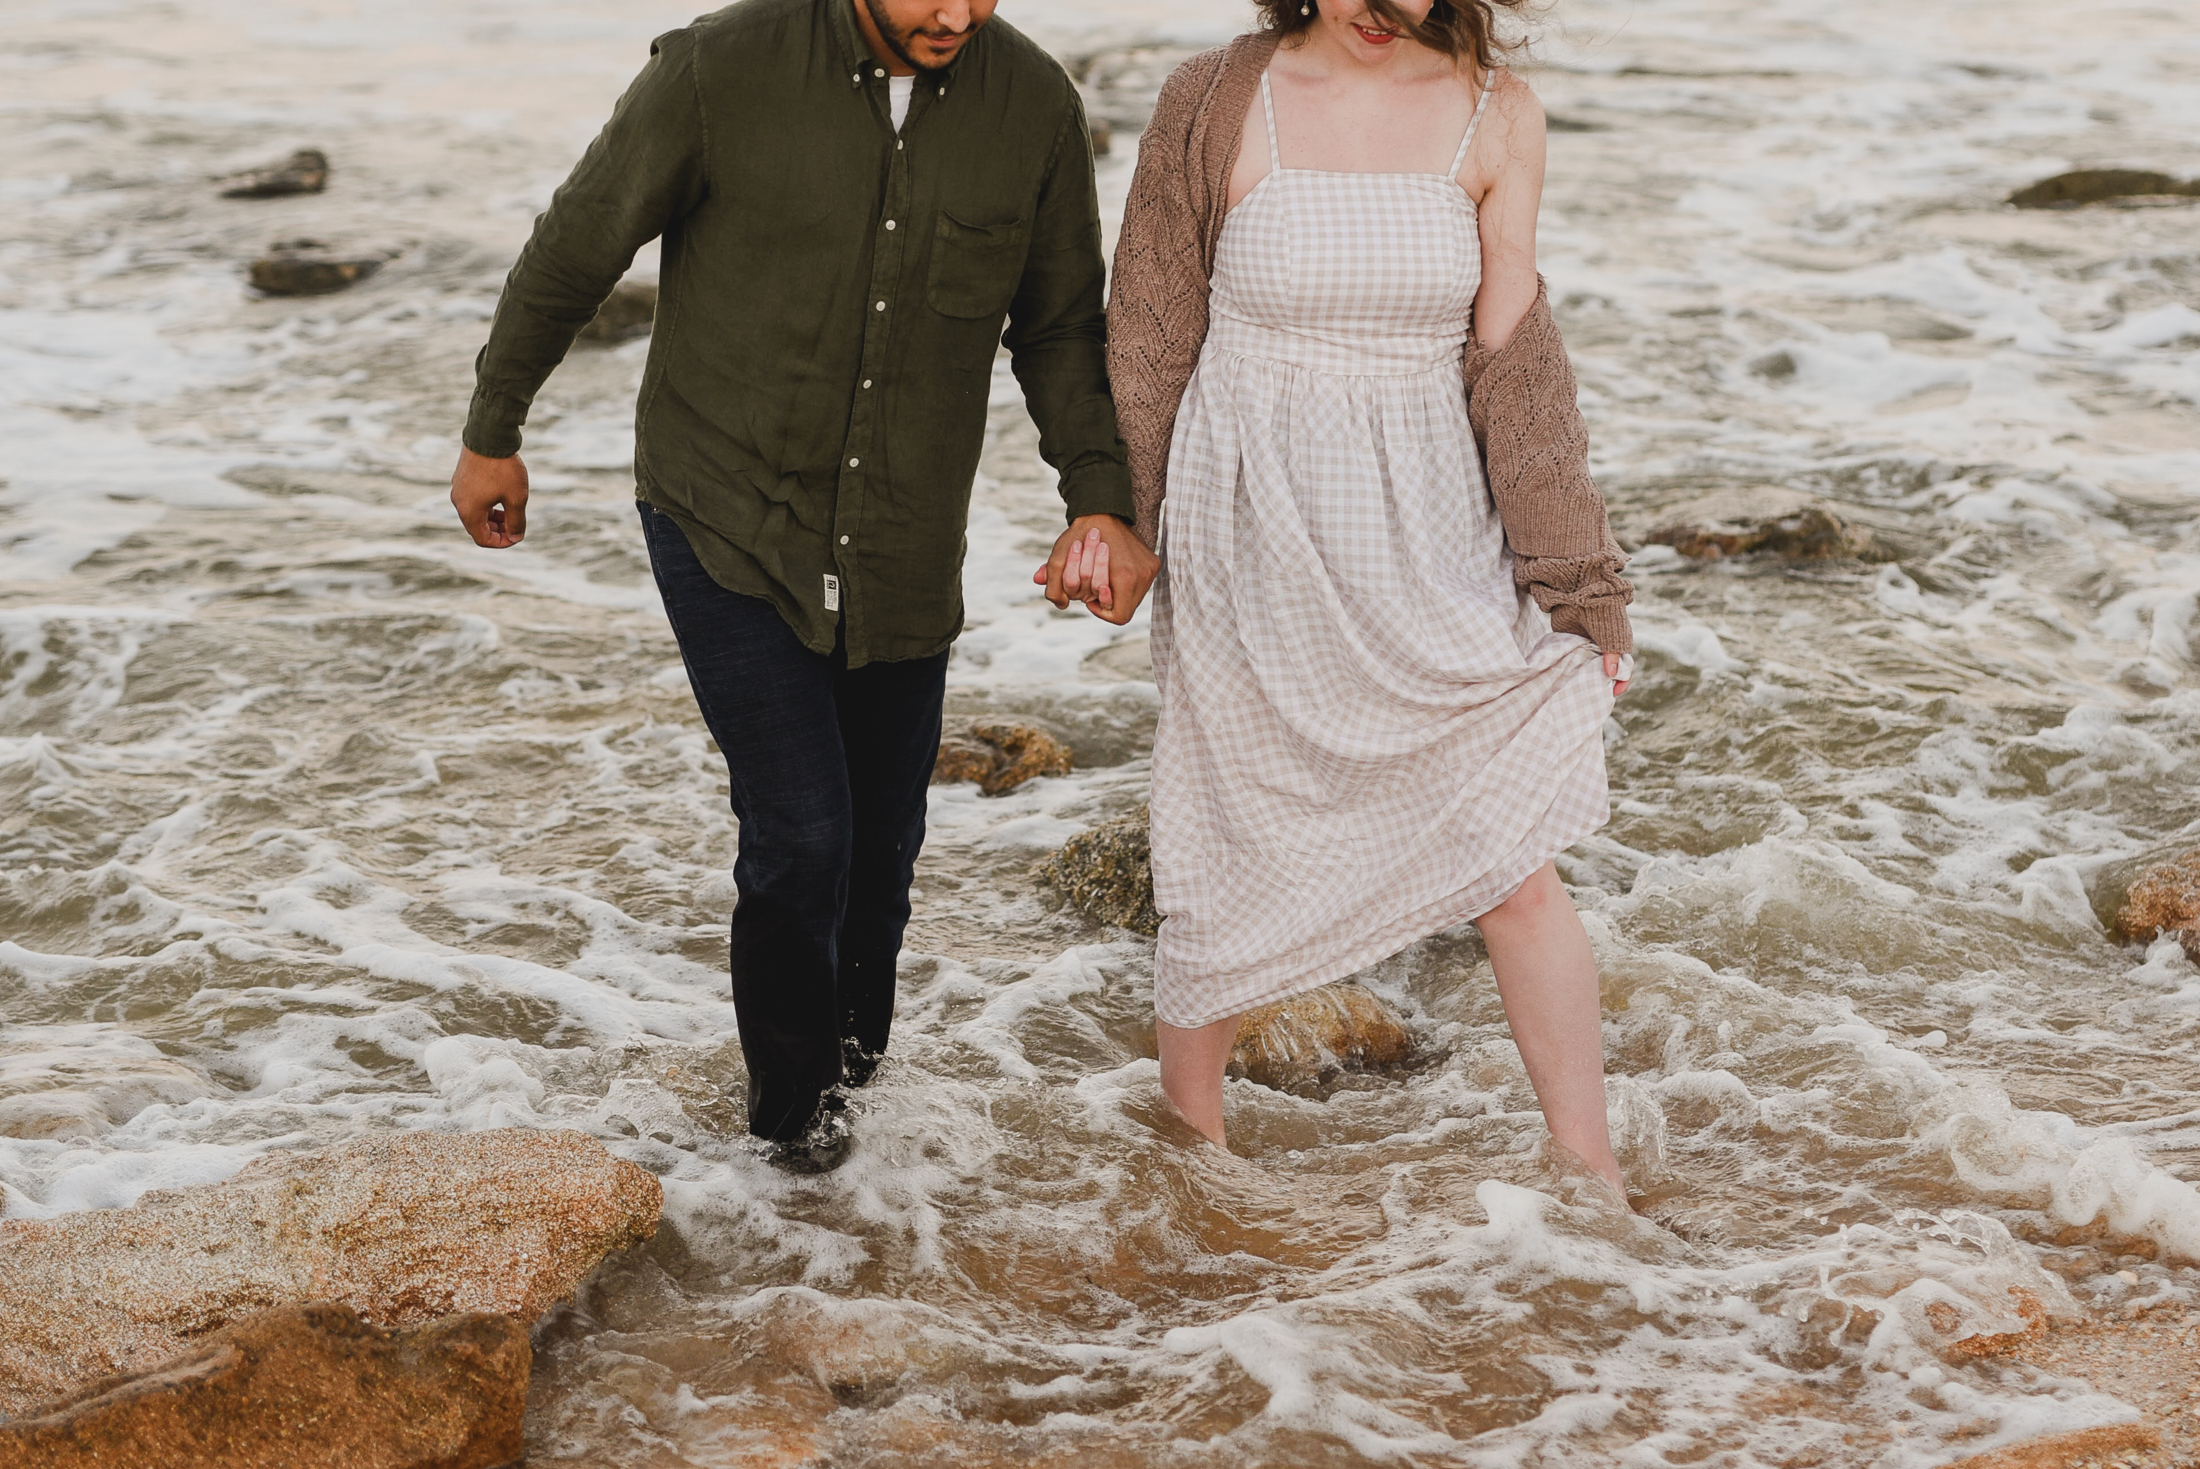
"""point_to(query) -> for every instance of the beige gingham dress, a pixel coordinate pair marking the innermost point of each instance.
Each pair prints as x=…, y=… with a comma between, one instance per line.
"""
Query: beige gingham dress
x=1367, y=734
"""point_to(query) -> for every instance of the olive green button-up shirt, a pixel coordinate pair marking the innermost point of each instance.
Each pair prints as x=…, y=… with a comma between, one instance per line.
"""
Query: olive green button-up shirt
x=831, y=298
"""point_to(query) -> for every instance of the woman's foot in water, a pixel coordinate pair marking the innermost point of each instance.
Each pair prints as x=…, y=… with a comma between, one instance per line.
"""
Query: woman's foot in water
x=1192, y=1065
x=1547, y=978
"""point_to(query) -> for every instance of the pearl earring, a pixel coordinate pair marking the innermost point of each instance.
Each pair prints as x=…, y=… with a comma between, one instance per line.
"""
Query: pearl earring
x=1306, y=9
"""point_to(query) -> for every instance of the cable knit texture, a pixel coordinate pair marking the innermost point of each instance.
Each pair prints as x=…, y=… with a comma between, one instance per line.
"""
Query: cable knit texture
x=1521, y=398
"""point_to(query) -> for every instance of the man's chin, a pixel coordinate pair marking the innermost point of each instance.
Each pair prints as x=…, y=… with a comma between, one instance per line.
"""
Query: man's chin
x=933, y=57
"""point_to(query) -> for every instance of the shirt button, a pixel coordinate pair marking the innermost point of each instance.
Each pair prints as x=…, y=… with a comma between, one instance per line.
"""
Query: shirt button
x=878, y=71
x=844, y=540
x=866, y=385
x=897, y=145
x=889, y=224
x=881, y=306
x=853, y=463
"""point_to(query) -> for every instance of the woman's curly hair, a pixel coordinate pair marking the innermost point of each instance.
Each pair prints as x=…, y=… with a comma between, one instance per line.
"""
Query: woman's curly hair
x=1461, y=29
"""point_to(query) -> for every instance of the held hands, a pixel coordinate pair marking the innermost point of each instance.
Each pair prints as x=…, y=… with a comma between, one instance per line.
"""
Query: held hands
x=1100, y=562
x=490, y=496
x=1611, y=671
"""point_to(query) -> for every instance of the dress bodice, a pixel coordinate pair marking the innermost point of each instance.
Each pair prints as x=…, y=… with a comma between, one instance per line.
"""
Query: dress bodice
x=1356, y=273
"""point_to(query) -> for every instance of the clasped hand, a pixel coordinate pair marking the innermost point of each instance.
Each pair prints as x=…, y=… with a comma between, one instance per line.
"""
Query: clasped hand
x=1100, y=562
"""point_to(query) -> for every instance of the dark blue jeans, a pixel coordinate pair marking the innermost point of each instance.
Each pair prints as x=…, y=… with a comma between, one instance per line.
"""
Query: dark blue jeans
x=829, y=767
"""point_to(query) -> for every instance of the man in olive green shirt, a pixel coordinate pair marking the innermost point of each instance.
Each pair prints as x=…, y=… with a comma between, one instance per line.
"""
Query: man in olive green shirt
x=854, y=196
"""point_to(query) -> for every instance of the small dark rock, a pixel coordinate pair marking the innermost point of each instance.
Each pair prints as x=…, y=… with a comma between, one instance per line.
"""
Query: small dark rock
x=1774, y=367
x=1107, y=874
x=2092, y=185
x=1774, y=522
x=1000, y=757
x=304, y=172
x=1103, y=136
x=310, y=268
x=629, y=311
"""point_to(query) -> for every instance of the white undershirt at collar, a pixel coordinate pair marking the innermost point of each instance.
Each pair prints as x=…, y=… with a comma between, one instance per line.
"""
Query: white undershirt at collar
x=898, y=92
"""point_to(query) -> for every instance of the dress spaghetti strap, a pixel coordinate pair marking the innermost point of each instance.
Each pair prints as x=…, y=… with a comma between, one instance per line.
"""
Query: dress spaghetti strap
x=1268, y=106
x=1459, y=159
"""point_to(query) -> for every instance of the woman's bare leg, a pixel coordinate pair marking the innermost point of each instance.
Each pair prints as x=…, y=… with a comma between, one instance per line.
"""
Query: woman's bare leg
x=1192, y=1064
x=1547, y=978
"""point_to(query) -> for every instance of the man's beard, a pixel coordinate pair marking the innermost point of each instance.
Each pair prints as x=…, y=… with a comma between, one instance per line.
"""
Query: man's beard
x=896, y=41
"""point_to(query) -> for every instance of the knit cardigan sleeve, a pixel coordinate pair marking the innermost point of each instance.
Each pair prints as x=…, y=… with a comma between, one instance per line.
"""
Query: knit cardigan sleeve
x=1164, y=255
x=1523, y=403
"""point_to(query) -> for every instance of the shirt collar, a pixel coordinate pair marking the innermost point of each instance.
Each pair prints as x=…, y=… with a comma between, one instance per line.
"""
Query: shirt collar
x=862, y=67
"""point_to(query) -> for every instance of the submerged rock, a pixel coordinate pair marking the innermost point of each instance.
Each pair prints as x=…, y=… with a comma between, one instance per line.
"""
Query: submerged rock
x=307, y=1387
x=629, y=311
x=2093, y=185
x=2088, y=1448
x=1107, y=874
x=2164, y=899
x=1946, y=1320
x=401, y=1228
x=310, y=268
x=1309, y=1040
x=1772, y=522
x=1000, y=757
x=304, y=172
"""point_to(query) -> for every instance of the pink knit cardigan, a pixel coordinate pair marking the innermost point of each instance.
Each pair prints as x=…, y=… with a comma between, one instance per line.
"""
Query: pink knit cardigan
x=1521, y=398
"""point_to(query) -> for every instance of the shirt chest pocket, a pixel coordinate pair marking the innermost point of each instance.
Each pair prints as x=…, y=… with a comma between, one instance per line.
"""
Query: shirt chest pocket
x=975, y=267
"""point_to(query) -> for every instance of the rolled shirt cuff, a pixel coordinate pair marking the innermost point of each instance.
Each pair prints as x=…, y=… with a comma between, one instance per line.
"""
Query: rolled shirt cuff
x=1099, y=489
x=492, y=426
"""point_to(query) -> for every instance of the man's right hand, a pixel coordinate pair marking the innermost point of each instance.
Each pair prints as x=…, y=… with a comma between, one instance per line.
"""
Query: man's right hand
x=490, y=496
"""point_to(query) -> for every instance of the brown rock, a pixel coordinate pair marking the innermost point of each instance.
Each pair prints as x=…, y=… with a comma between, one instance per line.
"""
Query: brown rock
x=2150, y=1359
x=1774, y=522
x=2165, y=899
x=2092, y=185
x=307, y=1387
x=1000, y=757
x=310, y=268
x=964, y=759
x=403, y=1228
x=1310, y=1039
x=1107, y=874
x=304, y=172
x=1103, y=136
x=2065, y=1450
x=629, y=311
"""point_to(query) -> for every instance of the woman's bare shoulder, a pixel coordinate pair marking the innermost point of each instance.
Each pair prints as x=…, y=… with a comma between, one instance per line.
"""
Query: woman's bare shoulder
x=1514, y=106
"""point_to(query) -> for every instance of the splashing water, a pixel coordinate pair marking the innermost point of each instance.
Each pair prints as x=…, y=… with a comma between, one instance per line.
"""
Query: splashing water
x=316, y=820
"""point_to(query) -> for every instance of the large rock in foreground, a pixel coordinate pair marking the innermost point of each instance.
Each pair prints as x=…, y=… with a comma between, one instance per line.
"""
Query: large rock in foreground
x=1307, y=1041
x=2164, y=899
x=311, y=1387
x=1107, y=874
x=402, y=1229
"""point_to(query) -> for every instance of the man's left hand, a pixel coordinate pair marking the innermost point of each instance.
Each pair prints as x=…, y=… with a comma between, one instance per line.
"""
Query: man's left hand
x=1100, y=562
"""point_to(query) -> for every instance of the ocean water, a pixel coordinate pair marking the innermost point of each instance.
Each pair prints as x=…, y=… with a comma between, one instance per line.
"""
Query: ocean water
x=316, y=820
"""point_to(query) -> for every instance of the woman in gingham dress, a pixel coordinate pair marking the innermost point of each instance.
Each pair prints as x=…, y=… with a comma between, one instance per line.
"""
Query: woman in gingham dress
x=1368, y=732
